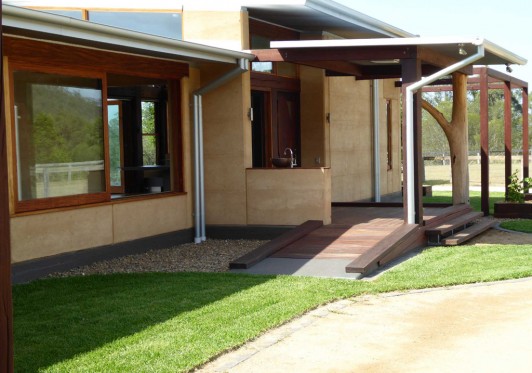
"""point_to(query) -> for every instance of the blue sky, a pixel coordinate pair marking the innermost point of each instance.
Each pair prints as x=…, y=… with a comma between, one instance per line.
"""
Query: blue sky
x=507, y=23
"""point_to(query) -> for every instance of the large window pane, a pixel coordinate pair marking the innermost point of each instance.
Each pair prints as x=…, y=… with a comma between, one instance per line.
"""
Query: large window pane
x=161, y=24
x=59, y=135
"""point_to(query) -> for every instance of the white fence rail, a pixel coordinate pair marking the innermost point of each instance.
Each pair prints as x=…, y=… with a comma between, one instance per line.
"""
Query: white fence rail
x=44, y=172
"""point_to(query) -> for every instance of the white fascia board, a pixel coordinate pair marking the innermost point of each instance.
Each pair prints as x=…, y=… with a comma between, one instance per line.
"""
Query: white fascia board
x=46, y=23
x=504, y=54
x=381, y=42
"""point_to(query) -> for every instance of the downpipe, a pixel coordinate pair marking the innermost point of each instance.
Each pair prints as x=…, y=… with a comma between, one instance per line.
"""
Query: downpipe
x=199, y=169
x=410, y=90
x=376, y=142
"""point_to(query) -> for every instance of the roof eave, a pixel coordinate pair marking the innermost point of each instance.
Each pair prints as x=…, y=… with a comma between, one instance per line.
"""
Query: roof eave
x=62, y=28
x=347, y=14
x=502, y=55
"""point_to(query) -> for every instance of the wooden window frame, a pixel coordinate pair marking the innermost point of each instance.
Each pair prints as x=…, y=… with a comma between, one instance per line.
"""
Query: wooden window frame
x=63, y=201
x=46, y=57
x=115, y=189
x=154, y=134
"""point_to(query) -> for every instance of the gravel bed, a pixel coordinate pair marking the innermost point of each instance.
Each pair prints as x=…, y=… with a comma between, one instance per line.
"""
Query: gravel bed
x=208, y=256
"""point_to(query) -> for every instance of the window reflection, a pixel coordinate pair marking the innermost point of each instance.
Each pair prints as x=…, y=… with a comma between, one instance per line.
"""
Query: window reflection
x=59, y=135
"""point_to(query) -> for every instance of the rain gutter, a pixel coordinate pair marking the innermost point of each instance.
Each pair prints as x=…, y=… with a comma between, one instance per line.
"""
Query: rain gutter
x=410, y=90
x=199, y=187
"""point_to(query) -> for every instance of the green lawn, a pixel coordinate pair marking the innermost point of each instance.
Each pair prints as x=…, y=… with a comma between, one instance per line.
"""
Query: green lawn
x=474, y=198
x=520, y=225
x=438, y=174
x=174, y=322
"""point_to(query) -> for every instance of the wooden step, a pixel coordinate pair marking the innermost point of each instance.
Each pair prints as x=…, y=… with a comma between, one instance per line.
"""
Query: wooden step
x=455, y=223
x=250, y=259
x=446, y=214
x=480, y=226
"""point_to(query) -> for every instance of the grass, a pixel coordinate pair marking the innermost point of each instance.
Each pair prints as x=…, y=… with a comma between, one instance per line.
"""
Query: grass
x=440, y=174
x=474, y=198
x=174, y=322
x=520, y=225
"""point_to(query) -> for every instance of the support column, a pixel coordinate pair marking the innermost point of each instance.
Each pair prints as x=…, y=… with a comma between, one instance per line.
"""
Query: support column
x=484, y=143
x=6, y=304
x=376, y=142
x=411, y=72
x=526, y=151
x=507, y=134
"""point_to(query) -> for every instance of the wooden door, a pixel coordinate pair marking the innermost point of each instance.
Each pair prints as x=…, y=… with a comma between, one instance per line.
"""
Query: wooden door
x=288, y=127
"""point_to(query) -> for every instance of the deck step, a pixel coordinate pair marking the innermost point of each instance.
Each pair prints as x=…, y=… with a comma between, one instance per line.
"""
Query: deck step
x=480, y=226
x=250, y=259
x=447, y=214
x=450, y=227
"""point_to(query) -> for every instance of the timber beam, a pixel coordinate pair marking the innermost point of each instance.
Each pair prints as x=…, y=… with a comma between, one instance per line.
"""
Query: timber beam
x=431, y=57
x=334, y=54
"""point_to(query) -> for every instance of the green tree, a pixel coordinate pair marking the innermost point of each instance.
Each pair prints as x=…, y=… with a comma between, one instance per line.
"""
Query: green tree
x=50, y=145
x=149, y=136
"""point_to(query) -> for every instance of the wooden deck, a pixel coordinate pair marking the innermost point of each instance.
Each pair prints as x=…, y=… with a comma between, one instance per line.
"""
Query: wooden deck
x=367, y=237
x=354, y=231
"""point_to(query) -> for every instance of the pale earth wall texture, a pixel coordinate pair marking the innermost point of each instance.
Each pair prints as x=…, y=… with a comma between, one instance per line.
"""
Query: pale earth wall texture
x=336, y=132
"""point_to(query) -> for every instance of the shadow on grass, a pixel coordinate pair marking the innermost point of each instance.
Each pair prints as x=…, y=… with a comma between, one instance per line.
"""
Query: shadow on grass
x=56, y=319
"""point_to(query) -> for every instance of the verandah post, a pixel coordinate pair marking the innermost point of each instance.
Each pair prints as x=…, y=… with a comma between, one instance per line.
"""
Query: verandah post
x=6, y=304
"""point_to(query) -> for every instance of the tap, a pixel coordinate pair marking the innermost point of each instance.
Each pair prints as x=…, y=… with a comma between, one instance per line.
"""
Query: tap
x=293, y=161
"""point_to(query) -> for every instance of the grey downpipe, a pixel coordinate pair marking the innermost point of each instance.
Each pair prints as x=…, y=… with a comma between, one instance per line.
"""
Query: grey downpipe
x=410, y=90
x=376, y=142
x=197, y=205
x=199, y=188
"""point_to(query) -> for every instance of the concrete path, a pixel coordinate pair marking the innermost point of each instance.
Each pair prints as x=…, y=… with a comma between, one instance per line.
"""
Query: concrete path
x=315, y=267
x=471, y=328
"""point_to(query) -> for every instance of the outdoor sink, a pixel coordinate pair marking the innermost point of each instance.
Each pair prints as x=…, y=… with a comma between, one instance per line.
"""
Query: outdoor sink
x=282, y=162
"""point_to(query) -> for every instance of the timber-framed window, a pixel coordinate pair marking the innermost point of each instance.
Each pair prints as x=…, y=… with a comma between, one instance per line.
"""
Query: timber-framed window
x=59, y=138
x=82, y=136
x=144, y=140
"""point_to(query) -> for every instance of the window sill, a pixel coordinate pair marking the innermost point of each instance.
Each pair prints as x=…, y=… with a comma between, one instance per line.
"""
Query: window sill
x=124, y=199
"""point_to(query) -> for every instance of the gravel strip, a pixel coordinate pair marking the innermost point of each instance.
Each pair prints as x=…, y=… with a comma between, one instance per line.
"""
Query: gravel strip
x=215, y=256
x=208, y=256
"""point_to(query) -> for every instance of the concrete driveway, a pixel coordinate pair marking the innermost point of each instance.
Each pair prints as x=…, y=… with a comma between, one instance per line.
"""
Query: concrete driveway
x=471, y=328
